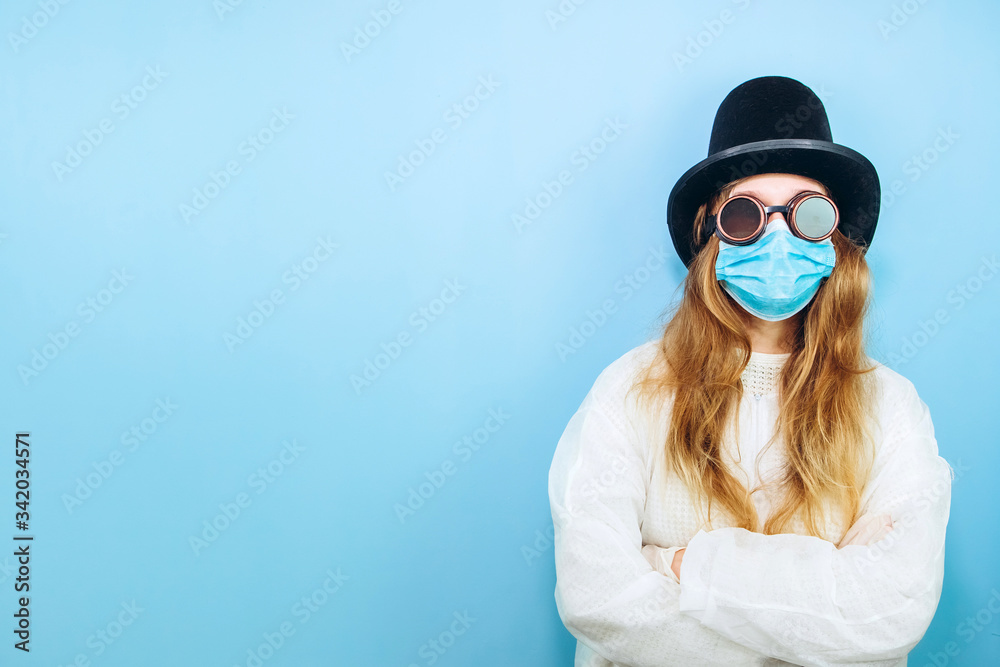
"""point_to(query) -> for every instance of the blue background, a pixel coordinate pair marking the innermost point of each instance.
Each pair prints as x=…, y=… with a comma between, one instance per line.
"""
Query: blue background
x=892, y=76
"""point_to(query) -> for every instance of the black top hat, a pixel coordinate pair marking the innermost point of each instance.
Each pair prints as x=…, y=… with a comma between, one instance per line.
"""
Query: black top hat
x=774, y=124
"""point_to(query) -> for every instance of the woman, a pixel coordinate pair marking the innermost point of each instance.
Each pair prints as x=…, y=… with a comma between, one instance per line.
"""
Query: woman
x=751, y=488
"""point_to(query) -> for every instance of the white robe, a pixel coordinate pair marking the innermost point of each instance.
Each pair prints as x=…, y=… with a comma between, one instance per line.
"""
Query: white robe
x=744, y=598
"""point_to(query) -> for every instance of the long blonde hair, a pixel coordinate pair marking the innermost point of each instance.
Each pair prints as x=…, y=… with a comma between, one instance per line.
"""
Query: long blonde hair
x=826, y=392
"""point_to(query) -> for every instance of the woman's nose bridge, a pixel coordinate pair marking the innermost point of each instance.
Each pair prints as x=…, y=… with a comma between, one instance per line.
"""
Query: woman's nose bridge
x=780, y=221
x=773, y=213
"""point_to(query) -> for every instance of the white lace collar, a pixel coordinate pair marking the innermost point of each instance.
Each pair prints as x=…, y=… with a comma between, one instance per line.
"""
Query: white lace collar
x=760, y=377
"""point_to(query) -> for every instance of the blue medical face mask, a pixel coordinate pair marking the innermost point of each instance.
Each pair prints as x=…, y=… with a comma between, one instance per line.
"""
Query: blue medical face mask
x=778, y=275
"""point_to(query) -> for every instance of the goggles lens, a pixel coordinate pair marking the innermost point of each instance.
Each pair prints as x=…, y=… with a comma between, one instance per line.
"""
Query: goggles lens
x=740, y=218
x=815, y=217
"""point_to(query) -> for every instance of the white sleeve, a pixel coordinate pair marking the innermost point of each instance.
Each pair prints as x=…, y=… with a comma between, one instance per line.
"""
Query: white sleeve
x=607, y=595
x=799, y=598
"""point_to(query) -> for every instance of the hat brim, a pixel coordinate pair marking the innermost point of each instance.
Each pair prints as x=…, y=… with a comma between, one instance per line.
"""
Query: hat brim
x=849, y=175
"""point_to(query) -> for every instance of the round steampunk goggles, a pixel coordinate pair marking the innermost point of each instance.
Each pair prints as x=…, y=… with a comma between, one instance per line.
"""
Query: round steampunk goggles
x=742, y=219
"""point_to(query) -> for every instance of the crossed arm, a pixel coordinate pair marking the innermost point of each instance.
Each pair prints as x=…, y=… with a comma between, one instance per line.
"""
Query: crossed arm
x=743, y=595
x=866, y=531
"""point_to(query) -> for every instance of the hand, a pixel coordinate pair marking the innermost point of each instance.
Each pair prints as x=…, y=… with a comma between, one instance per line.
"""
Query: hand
x=869, y=529
x=656, y=557
x=676, y=565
